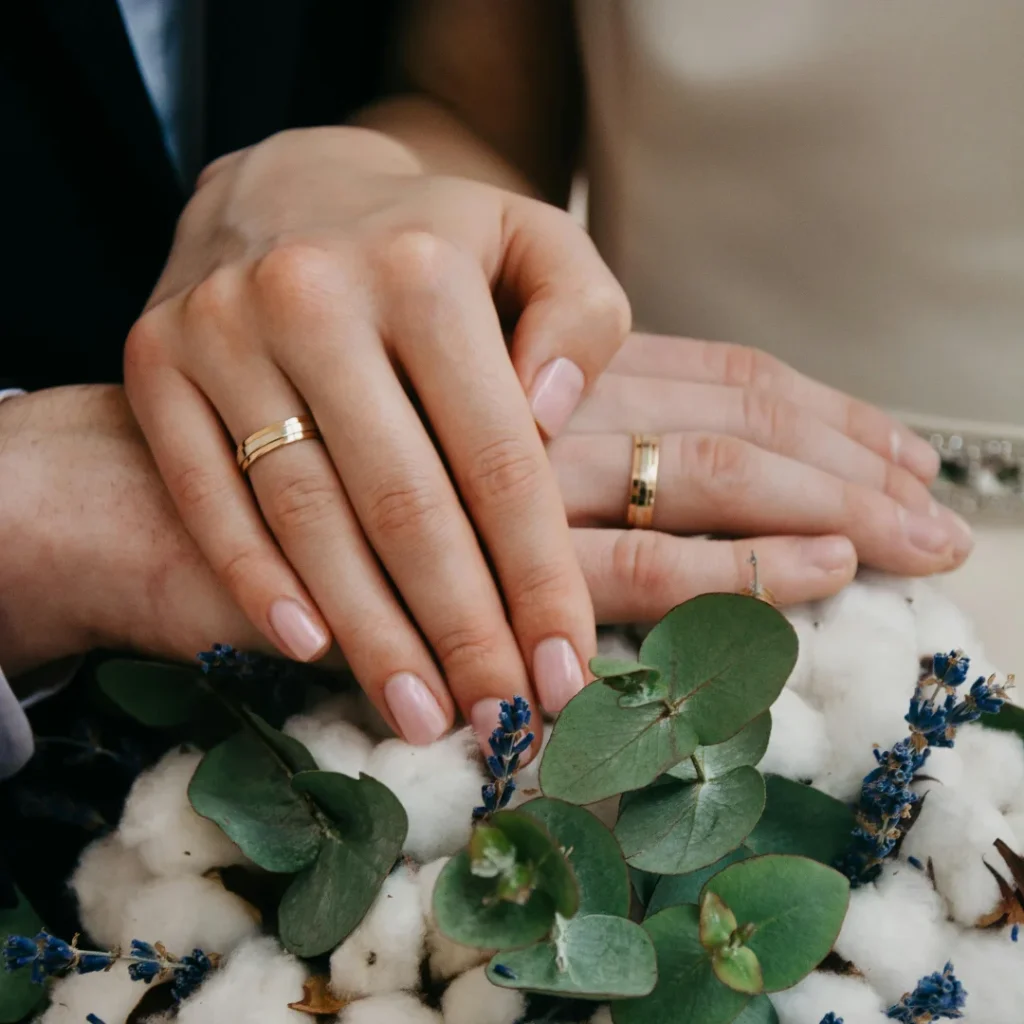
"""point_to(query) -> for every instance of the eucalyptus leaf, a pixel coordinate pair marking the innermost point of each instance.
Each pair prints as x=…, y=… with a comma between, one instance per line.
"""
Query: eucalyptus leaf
x=747, y=747
x=637, y=684
x=738, y=968
x=645, y=884
x=243, y=786
x=1009, y=718
x=537, y=846
x=674, y=890
x=758, y=1011
x=599, y=749
x=726, y=657
x=363, y=837
x=677, y=827
x=158, y=695
x=602, y=957
x=295, y=756
x=19, y=995
x=801, y=820
x=717, y=921
x=687, y=991
x=797, y=907
x=592, y=852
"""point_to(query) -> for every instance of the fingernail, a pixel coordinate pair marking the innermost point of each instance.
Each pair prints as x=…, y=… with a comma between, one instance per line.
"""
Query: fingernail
x=416, y=710
x=830, y=554
x=484, y=719
x=963, y=535
x=296, y=629
x=914, y=453
x=556, y=673
x=925, y=532
x=555, y=394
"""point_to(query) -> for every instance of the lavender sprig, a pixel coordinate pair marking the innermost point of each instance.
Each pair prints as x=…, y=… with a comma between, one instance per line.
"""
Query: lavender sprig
x=508, y=742
x=49, y=956
x=938, y=996
x=831, y=1018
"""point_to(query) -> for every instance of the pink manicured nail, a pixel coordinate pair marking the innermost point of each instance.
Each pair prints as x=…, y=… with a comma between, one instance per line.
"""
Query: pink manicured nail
x=555, y=394
x=556, y=673
x=415, y=708
x=296, y=629
x=830, y=554
x=914, y=453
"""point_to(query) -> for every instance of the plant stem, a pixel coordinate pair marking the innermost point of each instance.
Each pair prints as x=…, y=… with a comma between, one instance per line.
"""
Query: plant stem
x=697, y=768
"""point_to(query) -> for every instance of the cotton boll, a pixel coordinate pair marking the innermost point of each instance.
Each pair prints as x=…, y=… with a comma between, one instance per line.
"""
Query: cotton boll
x=445, y=958
x=397, y=1008
x=956, y=830
x=336, y=746
x=819, y=993
x=989, y=966
x=803, y=618
x=383, y=954
x=798, y=747
x=438, y=786
x=158, y=822
x=355, y=708
x=993, y=764
x=603, y=1016
x=187, y=912
x=895, y=931
x=939, y=623
x=945, y=766
x=106, y=878
x=472, y=999
x=254, y=986
x=111, y=995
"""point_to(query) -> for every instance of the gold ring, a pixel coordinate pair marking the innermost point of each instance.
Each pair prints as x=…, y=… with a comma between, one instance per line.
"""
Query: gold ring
x=277, y=435
x=643, y=487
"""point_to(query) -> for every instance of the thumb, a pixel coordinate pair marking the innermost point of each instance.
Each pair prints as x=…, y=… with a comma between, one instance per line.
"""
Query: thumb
x=573, y=314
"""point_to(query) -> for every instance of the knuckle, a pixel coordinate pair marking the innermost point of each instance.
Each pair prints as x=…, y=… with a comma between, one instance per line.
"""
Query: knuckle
x=545, y=586
x=295, y=275
x=398, y=510
x=468, y=647
x=771, y=421
x=607, y=304
x=196, y=490
x=302, y=502
x=416, y=256
x=641, y=563
x=144, y=347
x=747, y=367
x=213, y=301
x=505, y=472
x=240, y=568
x=719, y=460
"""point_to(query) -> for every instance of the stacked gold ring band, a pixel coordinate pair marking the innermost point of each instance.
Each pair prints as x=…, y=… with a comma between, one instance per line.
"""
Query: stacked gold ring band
x=277, y=435
x=643, y=488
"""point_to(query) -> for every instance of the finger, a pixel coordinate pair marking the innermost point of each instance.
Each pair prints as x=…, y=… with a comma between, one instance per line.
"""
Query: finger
x=197, y=462
x=654, y=355
x=573, y=314
x=448, y=341
x=715, y=484
x=640, y=575
x=306, y=508
x=651, y=405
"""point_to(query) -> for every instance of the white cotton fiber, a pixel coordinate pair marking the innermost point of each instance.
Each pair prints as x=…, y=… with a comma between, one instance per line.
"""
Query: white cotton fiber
x=896, y=931
x=446, y=959
x=603, y=1016
x=990, y=966
x=353, y=707
x=956, y=830
x=110, y=995
x=993, y=764
x=383, y=954
x=438, y=786
x=399, y=1008
x=939, y=623
x=472, y=999
x=798, y=747
x=187, y=912
x=107, y=876
x=336, y=746
x=158, y=822
x=803, y=619
x=944, y=767
x=254, y=986
x=820, y=993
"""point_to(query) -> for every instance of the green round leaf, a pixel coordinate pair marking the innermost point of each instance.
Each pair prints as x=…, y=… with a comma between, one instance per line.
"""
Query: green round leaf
x=245, y=788
x=688, y=991
x=19, y=995
x=717, y=921
x=675, y=890
x=797, y=906
x=294, y=755
x=363, y=838
x=644, y=885
x=605, y=957
x=637, y=684
x=758, y=1011
x=468, y=911
x=593, y=853
x=157, y=695
x=801, y=820
x=599, y=749
x=1010, y=718
x=728, y=655
x=739, y=969
x=536, y=845
x=677, y=827
x=747, y=747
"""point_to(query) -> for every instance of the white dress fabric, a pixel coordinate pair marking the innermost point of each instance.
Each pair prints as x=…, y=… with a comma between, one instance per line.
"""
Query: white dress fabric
x=842, y=185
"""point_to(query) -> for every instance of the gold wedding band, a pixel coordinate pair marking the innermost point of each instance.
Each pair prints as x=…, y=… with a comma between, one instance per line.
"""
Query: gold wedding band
x=277, y=435
x=643, y=486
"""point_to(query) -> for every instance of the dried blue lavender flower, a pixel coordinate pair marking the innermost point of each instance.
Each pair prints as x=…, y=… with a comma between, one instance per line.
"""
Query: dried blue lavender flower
x=938, y=996
x=189, y=974
x=93, y=1019
x=223, y=659
x=508, y=742
x=831, y=1018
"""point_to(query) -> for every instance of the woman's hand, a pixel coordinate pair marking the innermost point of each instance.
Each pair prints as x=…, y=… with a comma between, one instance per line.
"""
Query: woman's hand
x=320, y=273
x=749, y=448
